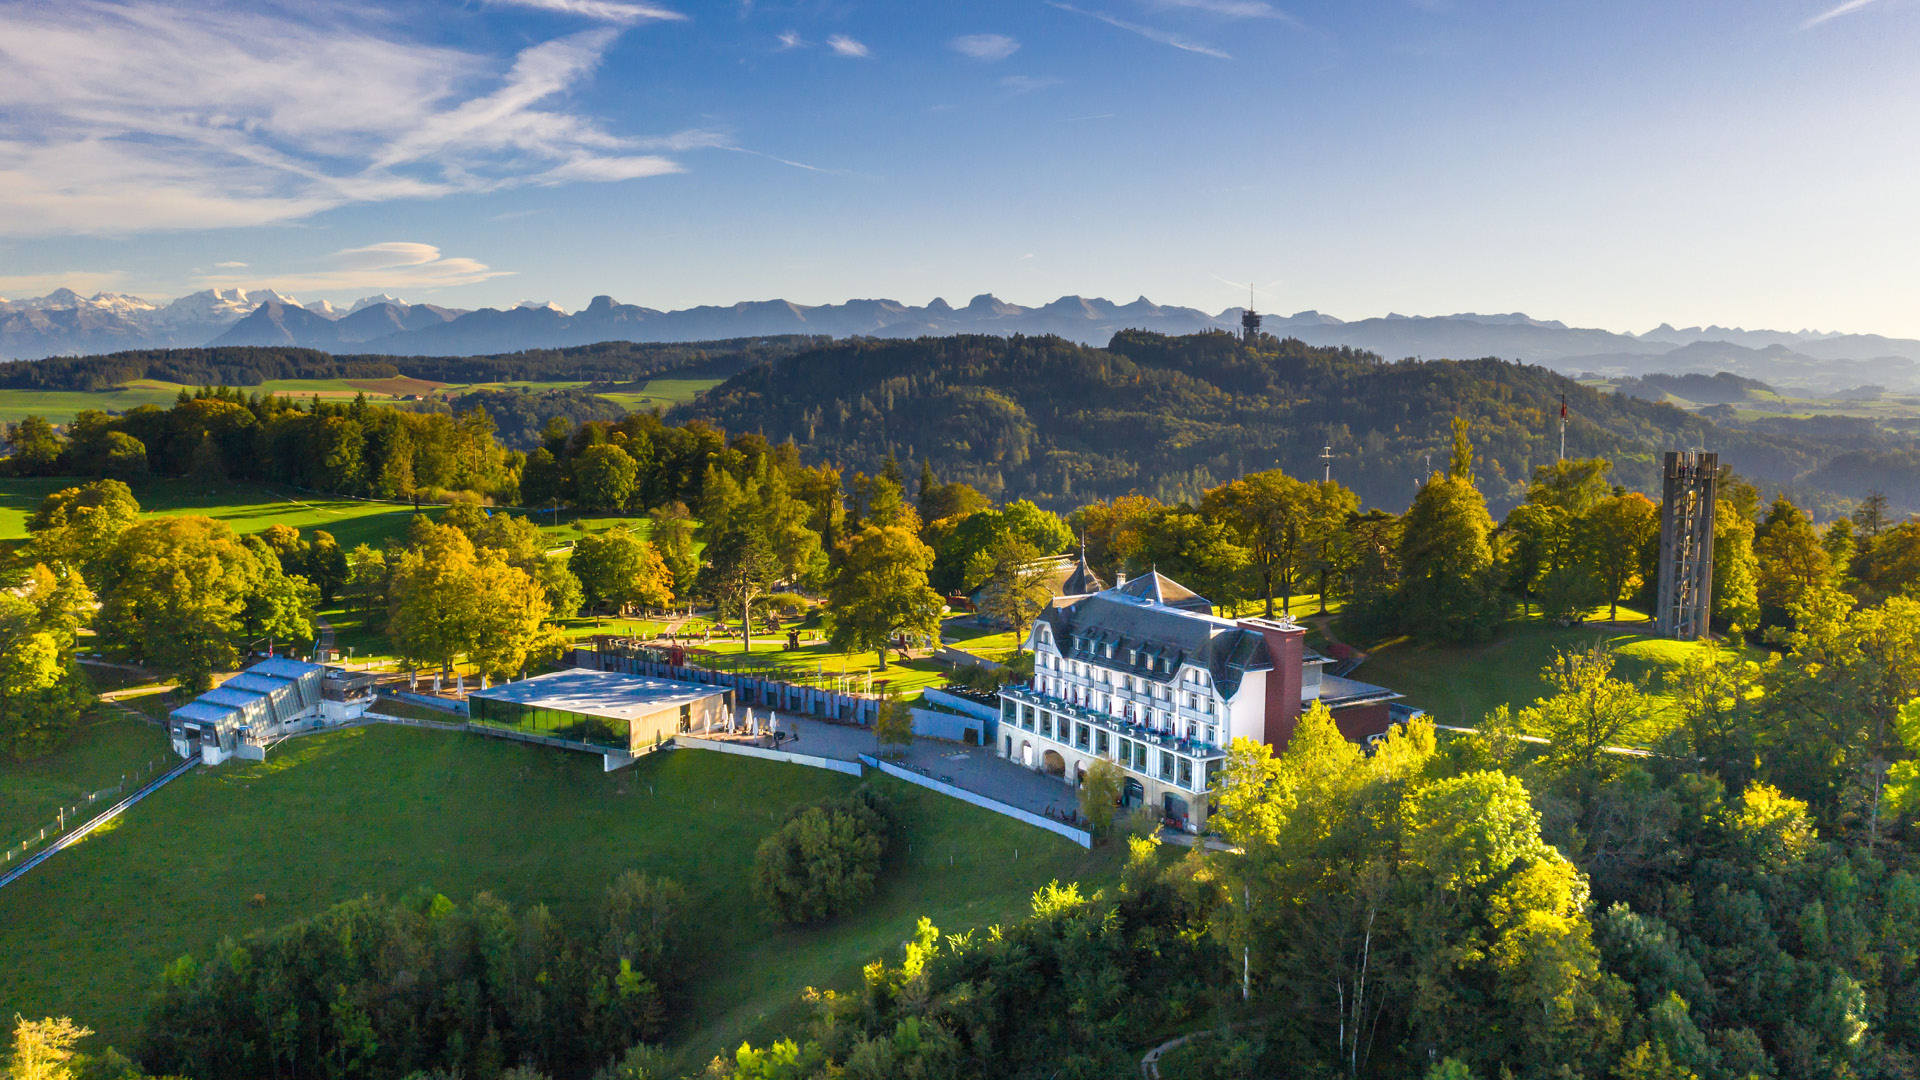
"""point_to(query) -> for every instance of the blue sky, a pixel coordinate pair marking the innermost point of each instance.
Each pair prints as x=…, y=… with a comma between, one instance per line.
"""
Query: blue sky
x=1613, y=165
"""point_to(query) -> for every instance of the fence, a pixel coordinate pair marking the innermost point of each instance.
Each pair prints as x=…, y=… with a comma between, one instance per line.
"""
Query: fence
x=851, y=768
x=74, y=837
x=72, y=817
x=1078, y=836
x=750, y=688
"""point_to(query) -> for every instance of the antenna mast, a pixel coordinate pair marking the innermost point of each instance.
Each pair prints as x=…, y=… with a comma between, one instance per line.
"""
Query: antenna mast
x=1326, y=455
x=1563, y=427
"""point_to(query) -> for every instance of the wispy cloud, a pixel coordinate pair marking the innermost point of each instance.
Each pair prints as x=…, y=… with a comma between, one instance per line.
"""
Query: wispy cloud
x=613, y=11
x=1232, y=9
x=1027, y=84
x=1148, y=32
x=1835, y=12
x=138, y=114
x=987, y=47
x=394, y=264
x=842, y=45
x=228, y=265
x=790, y=39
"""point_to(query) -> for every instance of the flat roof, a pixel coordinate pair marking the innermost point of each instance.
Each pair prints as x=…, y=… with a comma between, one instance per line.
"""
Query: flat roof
x=609, y=694
x=1336, y=690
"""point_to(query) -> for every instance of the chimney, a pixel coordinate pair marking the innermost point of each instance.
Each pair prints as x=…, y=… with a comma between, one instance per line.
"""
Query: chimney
x=1287, y=643
x=1119, y=578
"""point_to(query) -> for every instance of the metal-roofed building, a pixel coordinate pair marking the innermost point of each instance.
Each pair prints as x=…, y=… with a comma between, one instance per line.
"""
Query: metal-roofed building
x=1145, y=675
x=623, y=713
x=255, y=705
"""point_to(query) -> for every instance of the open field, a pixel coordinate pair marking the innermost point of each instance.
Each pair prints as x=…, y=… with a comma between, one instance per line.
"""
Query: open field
x=246, y=507
x=61, y=406
x=1460, y=684
x=108, y=746
x=385, y=809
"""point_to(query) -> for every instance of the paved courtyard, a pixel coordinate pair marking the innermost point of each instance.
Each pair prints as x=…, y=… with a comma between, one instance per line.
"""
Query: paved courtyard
x=974, y=768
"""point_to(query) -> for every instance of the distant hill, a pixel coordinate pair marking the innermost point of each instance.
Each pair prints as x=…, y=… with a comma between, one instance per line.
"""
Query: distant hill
x=1810, y=363
x=1060, y=422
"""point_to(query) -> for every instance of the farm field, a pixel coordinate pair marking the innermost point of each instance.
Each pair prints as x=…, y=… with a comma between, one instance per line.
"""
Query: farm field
x=383, y=810
x=61, y=406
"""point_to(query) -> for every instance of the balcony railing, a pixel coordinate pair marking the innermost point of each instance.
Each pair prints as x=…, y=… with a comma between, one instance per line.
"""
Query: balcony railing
x=1197, y=749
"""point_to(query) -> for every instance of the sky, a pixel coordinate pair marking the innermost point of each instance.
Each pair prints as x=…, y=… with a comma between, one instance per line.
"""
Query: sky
x=1735, y=162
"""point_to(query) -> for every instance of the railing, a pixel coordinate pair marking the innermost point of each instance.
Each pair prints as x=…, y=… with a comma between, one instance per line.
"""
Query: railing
x=75, y=815
x=1138, y=732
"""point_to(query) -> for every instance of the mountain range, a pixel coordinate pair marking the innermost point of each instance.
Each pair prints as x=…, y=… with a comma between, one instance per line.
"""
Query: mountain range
x=1816, y=363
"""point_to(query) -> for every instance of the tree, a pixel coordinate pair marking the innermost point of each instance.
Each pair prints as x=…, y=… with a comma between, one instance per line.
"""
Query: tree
x=882, y=590
x=177, y=594
x=672, y=537
x=1791, y=561
x=1891, y=564
x=741, y=568
x=966, y=545
x=43, y=695
x=366, y=586
x=1872, y=516
x=1446, y=588
x=36, y=448
x=1100, y=795
x=1014, y=582
x=1575, y=485
x=43, y=1048
x=1736, y=604
x=1199, y=553
x=824, y=859
x=603, y=477
x=450, y=599
x=894, y=727
x=1283, y=523
x=327, y=566
x=76, y=526
x=1617, y=529
x=618, y=569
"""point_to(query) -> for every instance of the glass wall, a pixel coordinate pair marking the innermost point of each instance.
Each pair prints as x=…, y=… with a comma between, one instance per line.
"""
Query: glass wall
x=552, y=723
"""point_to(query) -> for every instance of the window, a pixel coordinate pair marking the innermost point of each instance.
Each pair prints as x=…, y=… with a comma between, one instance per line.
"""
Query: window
x=1210, y=735
x=1100, y=742
x=1026, y=717
x=1166, y=763
x=1080, y=736
x=1009, y=746
x=1186, y=772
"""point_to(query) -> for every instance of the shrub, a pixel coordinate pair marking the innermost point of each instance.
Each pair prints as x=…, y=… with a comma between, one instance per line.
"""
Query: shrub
x=825, y=858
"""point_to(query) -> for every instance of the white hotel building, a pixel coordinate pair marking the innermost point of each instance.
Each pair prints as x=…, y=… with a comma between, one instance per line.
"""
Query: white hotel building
x=1145, y=675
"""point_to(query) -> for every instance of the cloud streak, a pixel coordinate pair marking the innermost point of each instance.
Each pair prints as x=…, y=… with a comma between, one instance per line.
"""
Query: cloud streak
x=986, y=47
x=1847, y=8
x=623, y=12
x=138, y=115
x=1148, y=32
x=394, y=264
x=842, y=45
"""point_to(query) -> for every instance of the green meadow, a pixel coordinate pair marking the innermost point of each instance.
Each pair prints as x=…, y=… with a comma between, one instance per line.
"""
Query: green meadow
x=384, y=810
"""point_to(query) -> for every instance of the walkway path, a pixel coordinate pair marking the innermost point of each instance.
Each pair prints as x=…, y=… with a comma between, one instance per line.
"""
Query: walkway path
x=975, y=768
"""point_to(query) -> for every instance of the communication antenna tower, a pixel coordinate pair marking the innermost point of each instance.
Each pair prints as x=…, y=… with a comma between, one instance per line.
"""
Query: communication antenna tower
x=1250, y=321
x=1326, y=455
x=1686, y=544
x=1563, y=427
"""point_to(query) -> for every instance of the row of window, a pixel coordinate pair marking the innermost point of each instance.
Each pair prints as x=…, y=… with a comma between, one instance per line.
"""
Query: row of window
x=1128, y=753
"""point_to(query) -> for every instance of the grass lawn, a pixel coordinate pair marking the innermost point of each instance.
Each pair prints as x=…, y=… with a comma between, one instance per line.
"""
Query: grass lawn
x=384, y=809
x=247, y=507
x=908, y=677
x=1459, y=685
x=109, y=745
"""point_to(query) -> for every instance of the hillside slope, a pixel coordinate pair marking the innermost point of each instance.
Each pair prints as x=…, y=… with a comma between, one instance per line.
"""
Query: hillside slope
x=1059, y=422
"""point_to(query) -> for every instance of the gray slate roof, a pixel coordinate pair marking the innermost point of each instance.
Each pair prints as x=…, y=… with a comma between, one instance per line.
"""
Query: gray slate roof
x=1155, y=631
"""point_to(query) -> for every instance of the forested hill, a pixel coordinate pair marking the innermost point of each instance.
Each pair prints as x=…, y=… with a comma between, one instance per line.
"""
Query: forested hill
x=1165, y=416
x=611, y=361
